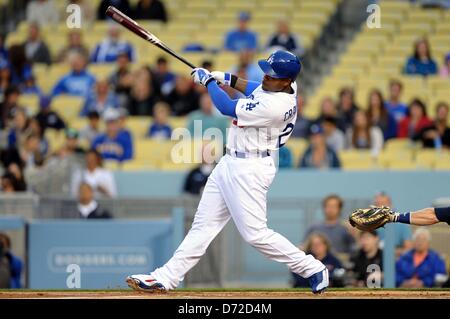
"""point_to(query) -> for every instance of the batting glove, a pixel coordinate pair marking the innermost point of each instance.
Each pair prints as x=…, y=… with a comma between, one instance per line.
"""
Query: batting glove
x=202, y=76
x=222, y=77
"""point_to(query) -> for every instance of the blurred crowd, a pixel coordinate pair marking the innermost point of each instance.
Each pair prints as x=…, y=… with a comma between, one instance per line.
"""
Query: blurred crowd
x=156, y=91
x=355, y=258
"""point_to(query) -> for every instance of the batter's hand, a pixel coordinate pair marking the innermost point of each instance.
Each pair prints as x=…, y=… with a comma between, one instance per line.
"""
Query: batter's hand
x=202, y=76
x=222, y=77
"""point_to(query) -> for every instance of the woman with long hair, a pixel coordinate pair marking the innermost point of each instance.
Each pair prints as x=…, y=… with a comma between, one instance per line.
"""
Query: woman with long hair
x=363, y=135
x=417, y=119
x=379, y=116
x=318, y=245
x=421, y=63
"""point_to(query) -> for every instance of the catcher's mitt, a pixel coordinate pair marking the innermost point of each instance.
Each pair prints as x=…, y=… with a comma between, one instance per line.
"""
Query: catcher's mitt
x=368, y=219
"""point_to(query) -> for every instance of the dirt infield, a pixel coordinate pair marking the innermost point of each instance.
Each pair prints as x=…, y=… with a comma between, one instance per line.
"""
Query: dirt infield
x=228, y=294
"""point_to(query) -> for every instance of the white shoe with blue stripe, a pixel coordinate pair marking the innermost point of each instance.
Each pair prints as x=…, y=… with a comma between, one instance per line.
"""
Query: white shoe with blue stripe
x=319, y=281
x=145, y=283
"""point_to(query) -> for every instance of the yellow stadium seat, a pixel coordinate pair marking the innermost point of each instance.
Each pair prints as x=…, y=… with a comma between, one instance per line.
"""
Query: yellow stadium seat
x=429, y=157
x=402, y=165
x=357, y=160
x=396, y=144
x=30, y=102
x=297, y=146
x=176, y=122
x=138, y=125
x=56, y=139
x=442, y=165
x=394, y=157
x=102, y=71
x=67, y=106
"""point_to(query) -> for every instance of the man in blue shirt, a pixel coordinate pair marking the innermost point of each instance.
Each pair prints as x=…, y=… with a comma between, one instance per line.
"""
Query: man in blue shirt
x=402, y=232
x=78, y=82
x=109, y=49
x=394, y=106
x=241, y=38
x=113, y=145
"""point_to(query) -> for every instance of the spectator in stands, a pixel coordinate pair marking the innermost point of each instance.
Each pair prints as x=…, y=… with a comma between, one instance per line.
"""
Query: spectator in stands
x=301, y=128
x=336, y=232
x=318, y=155
x=17, y=171
x=285, y=39
x=150, y=10
x=196, y=179
x=318, y=245
x=437, y=135
x=445, y=69
x=144, y=93
x=47, y=117
x=379, y=116
x=71, y=147
x=74, y=44
x=160, y=128
x=8, y=183
x=421, y=63
x=208, y=65
x=122, y=5
x=334, y=137
x=15, y=263
x=3, y=51
x=369, y=254
x=78, y=82
x=241, y=38
x=89, y=132
x=419, y=267
x=42, y=12
x=247, y=65
x=415, y=122
x=346, y=107
x=205, y=118
x=122, y=78
x=19, y=69
x=5, y=270
x=87, y=207
x=183, y=99
x=113, y=145
x=100, y=99
x=328, y=109
x=88, y=14
x=36, y=50
x=30, y=151
x=20, y=128
x=100, y=179
x=362, y=135
x=394, y=105
x=402, y=232
x=36, y=128
x=8, y=106
x=164, y=78
x=108, y=50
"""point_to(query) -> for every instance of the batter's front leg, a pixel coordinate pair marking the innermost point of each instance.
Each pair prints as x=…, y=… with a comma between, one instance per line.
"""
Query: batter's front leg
x=244, y=191
x=211, y=216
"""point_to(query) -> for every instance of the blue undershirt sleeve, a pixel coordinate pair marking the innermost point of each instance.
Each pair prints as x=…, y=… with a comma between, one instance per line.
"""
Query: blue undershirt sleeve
x=221, y=100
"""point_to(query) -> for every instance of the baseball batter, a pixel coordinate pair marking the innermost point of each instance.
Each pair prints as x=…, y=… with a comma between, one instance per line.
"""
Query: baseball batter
x=237, y=187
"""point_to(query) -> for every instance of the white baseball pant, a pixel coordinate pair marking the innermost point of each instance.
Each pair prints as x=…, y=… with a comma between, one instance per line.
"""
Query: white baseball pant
x=236, y=189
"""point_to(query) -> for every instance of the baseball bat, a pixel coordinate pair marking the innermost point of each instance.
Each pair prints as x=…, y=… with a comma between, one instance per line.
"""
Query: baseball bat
x=134, y=27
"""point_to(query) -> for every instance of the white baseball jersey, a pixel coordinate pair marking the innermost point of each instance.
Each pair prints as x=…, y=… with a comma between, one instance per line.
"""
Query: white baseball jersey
x=265, y=120
x=237, y=190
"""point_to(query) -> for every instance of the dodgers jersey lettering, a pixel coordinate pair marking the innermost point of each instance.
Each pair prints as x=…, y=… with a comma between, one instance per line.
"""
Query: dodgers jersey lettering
x=265, y=120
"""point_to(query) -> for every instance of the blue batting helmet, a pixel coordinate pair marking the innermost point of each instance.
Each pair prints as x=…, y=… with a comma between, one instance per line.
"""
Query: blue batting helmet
x=281, y=65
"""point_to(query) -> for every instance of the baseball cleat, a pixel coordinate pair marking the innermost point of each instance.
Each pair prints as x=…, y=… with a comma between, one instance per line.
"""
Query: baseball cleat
x=319, y=281
x=145, y=283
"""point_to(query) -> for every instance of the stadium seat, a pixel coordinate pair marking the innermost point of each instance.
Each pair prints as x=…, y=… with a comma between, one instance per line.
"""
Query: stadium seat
x=67, y=106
